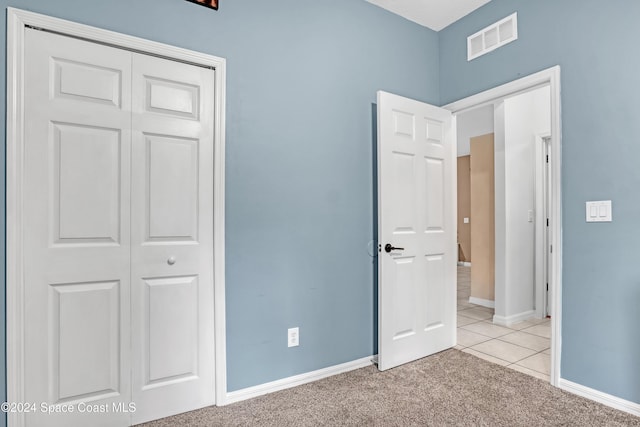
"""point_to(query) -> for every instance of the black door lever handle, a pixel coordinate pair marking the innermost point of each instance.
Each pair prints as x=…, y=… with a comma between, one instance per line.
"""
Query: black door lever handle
x=388, y=248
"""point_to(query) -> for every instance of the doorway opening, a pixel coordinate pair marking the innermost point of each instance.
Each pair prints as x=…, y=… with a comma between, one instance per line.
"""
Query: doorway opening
x=508, y=224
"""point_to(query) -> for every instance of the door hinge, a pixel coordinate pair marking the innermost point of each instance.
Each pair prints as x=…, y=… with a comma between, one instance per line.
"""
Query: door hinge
x=547, y=222
x=547, y=286
x=551, y=246
x=547, y=158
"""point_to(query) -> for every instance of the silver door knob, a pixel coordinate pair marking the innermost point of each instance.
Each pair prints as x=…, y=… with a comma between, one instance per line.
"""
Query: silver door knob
x=171, y=260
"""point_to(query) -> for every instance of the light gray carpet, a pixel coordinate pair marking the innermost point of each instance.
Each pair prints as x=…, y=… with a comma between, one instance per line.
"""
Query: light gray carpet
x=451, y=388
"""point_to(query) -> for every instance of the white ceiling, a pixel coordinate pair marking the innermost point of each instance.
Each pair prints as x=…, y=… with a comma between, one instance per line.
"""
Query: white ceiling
x=434, y=14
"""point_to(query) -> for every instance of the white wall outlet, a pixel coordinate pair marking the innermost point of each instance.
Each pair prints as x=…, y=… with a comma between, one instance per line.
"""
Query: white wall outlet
x=293, y=337
x=530, y=215
x=599, y=211
x=465, y=220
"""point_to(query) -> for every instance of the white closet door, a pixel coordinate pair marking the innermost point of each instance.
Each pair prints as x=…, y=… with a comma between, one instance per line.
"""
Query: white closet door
x=76, y=240
x=118, y=245
x=172, y=237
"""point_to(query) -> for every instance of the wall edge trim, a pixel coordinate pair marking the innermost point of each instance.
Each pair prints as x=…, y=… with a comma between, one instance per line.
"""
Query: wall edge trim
x=295, y=380
x=600, y=397
x=483, y=302
x=514, y=318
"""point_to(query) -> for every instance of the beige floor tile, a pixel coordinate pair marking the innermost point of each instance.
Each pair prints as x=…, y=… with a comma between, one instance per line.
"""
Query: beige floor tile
x=530, y=335
x=486, y=357
x=527, y=323
x=488, y=329
x=463, y=303
x=543, y=330
x=468, y=338
x=463, y=321
x=503, y=350
x=478, y=313
x=526, y=340
x=539, y=362
x=528, y=371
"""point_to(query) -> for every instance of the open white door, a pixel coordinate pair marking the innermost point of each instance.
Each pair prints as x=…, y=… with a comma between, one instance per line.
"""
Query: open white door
x=416, y=231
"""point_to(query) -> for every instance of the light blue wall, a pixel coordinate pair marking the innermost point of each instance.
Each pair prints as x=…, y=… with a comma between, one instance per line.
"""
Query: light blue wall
x=597, y=50
x=302, y=77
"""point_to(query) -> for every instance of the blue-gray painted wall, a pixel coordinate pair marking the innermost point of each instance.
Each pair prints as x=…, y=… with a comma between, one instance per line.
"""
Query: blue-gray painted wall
x=596, y=46
x=302, y=78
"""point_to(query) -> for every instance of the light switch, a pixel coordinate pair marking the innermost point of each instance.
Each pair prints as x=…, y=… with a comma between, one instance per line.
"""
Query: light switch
x=466, y=220
x=599, y=211
x=602, y=211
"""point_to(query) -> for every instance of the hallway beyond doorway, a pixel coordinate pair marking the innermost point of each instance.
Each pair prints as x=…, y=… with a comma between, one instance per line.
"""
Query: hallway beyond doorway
x=524, y=346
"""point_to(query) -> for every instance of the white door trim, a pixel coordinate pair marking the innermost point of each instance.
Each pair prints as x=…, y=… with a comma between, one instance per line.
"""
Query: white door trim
x=17, y=23
x=549, y=77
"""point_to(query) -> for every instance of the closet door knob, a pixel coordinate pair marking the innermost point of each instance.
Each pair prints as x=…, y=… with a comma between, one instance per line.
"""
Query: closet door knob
x=171, y=260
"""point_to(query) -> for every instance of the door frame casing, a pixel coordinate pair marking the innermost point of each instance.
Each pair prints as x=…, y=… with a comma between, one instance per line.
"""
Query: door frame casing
x=17, y=23
x=548, y=77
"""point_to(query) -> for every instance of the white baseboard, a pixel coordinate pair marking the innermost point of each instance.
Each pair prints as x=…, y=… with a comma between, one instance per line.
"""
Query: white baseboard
x=296, y=380
x=600, y=397
x=483, y=302
x=464, y=264
x=514, y=318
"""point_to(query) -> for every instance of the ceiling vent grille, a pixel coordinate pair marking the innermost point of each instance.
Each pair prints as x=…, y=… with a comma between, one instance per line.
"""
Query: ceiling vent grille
x=494, y=36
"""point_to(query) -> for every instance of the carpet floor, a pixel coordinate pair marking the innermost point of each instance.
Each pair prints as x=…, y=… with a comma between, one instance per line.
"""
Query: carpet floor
x=451, y=388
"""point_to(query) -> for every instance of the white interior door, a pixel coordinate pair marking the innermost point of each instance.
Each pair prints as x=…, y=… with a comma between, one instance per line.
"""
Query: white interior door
x=118, y=252
x=76, y=240
x=416, y=231
x=172, y=237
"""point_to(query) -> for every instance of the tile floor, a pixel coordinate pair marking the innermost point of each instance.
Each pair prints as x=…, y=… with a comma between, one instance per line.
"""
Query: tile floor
x=523, y=346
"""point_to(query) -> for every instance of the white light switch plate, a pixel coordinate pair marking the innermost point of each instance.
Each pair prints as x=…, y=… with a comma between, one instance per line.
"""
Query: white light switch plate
x=465, y=220
x=599, y=211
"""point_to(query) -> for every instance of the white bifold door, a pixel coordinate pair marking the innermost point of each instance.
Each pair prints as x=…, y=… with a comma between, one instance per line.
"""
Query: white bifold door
x=118, y=242
x=416, y=231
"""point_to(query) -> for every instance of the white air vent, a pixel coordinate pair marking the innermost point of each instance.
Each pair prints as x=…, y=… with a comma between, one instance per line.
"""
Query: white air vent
x=496, y=35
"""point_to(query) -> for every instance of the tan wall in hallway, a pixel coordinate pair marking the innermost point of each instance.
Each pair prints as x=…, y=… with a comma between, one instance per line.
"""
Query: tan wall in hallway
x=464, y=208
x=482, y=218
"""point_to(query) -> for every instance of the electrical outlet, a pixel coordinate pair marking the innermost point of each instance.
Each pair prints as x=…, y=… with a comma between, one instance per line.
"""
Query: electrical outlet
x=293, y=337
